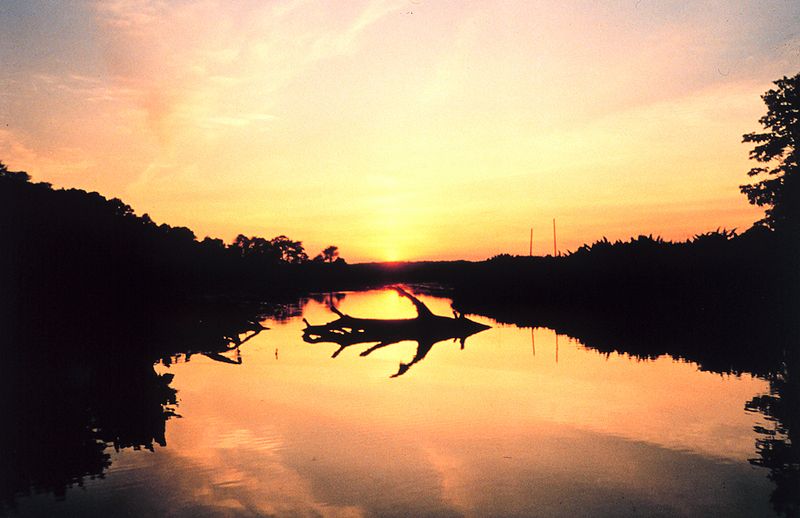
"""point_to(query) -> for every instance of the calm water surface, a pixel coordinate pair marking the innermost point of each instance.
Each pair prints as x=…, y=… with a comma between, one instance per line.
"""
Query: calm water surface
x=520, y=422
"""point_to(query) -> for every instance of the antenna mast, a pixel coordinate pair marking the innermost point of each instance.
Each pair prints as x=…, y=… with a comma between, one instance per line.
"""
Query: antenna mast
x=555, y=246
x=530, y=250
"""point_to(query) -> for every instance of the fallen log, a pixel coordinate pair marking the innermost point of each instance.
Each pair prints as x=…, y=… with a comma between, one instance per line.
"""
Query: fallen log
x=427, y=329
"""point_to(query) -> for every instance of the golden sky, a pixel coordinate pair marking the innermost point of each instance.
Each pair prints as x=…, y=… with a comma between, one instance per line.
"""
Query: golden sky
x=398, y=129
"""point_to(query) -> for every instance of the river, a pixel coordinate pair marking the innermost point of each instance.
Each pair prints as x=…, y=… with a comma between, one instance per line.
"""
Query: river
x=520, y=422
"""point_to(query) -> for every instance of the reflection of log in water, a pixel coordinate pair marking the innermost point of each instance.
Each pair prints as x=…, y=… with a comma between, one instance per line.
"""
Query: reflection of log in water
x=426, y=329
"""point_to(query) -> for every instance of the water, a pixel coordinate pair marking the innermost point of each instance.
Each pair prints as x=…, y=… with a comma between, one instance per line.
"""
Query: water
x=520, y=422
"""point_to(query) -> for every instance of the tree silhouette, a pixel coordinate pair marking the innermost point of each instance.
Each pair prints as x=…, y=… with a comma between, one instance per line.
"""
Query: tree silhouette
x=289, y=251
x=256, y=247
x=777, y=150
x=275, y=250
x=330, y=254
x=18, y=176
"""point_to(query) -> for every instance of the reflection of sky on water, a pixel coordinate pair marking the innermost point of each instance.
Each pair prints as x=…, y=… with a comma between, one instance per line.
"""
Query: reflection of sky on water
x=492, y=429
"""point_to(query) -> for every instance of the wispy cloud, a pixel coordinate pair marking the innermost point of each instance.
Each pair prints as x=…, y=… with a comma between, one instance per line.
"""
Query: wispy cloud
x=196, y=63
x=239, y=121
x=59, y=165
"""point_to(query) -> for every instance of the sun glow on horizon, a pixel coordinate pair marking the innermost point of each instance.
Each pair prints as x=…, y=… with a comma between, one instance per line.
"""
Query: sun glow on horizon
x=391, y=256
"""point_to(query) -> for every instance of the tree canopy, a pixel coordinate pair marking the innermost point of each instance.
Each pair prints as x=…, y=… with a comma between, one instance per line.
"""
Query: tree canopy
x=776, y=149
x=98, y=248
x=330, y=254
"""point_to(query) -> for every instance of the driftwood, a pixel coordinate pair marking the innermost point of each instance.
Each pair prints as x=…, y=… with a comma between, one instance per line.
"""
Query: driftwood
x=426, y=329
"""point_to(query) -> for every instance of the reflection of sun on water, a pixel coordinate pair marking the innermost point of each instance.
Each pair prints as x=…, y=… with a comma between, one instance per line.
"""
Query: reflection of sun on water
x=385, y=304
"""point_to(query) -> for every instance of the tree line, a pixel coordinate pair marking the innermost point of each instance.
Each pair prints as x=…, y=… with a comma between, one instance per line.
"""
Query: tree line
x=83, y=246
x=67, y=248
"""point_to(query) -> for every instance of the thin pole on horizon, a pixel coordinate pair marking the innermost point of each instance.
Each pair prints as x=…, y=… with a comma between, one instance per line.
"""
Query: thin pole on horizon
x=530, y=250
x=533, y=342
x=555, y=246
x=556, y=348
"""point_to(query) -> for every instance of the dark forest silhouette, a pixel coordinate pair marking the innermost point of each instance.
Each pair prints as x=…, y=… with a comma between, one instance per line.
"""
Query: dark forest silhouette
x=764, y=341
x=70, y=394
x=69, y=253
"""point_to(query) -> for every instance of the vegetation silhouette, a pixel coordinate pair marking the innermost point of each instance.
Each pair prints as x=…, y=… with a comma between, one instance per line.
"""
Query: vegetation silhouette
x=328, y=255
x=72, y=249
x=68, y=395
x=776, y=149
x=778, y=445
x=426, y=329
x=764, y=343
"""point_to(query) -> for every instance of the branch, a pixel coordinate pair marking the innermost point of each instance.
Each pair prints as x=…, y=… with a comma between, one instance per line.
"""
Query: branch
x=422, y=309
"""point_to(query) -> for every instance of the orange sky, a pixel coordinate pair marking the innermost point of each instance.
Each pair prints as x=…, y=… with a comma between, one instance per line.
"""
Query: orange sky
x=398, y=130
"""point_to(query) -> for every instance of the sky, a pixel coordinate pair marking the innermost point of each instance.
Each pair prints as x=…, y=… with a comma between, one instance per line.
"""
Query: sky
x=398, y=130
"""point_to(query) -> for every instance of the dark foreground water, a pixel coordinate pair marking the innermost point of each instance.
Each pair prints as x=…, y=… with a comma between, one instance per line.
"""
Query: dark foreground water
x=520, y=422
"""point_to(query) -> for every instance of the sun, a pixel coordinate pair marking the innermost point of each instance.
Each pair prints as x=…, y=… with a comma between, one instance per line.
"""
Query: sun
x=391, y=255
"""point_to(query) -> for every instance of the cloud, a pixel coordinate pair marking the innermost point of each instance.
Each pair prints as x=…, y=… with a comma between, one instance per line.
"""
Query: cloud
x=210, y=63
x=58, y=166
x=245, y=119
